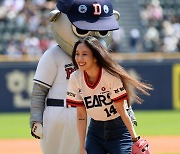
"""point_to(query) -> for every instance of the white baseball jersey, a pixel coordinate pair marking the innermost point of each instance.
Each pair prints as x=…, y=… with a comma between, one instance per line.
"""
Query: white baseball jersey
x=60, y=135
x=98, y=98
x=53, y=71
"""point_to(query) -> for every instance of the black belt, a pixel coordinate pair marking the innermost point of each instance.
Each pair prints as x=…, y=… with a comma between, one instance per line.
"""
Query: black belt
x=56, y=102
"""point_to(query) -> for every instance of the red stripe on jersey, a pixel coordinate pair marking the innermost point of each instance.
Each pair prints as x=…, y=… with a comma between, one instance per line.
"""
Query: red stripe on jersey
x=120, y=98
x=74, y=103
x=92, y=86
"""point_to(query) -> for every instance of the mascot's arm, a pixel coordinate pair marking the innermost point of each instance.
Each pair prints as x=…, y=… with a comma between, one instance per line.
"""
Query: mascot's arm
x=38, y=97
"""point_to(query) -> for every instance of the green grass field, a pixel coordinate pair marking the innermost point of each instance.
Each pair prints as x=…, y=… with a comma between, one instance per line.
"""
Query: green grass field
x=150, y=123
x=14, y=125
x=153, y=123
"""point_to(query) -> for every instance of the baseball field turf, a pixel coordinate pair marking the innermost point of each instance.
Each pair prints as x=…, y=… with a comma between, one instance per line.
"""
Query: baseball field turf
x=150, y=123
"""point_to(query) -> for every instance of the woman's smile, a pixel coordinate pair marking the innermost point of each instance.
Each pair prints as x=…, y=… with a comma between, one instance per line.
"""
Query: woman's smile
x=81, y=63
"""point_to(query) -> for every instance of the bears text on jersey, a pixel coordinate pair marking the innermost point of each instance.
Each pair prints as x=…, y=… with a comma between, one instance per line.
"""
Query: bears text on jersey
x=97, y=100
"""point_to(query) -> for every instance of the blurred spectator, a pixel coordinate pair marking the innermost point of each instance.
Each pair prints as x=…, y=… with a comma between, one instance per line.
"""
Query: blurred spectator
x=160, y=27
x=134, y=40
x=15, y=5
x=178, y=46
x=40, y=3
x=13, y=49
x=46, y=42
x=118, y=37
x=156, y=11
x=26, y=23
x=170, y=41
x=34, y=21
x=22, y=19
x=151, y=39
x=32, y=45
x=52, y=42
x=145, y=14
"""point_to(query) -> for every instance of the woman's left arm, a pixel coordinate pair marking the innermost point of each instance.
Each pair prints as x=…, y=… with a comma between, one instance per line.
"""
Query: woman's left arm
x=121, y=108
x=81, y=125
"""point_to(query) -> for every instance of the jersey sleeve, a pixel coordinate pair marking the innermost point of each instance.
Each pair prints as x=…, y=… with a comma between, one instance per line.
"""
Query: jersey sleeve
x=73, y=96
x=46, y=70
x=118, y=92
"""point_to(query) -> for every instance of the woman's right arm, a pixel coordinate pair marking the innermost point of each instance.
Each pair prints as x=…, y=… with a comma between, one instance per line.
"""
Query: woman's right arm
x=82, y=124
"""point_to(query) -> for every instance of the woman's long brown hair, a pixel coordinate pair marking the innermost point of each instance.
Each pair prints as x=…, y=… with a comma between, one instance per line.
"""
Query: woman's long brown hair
x=105, y=61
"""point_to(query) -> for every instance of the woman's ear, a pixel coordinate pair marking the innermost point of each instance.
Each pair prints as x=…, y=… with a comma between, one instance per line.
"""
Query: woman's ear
x=116, y=14
x=95, y=60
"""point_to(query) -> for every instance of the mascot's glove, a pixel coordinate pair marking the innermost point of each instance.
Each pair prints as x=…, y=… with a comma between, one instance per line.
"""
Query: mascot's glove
x=36, y=130
x=140, y=146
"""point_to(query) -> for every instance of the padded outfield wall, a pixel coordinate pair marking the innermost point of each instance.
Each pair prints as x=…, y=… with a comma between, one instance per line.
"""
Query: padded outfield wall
x=16, y=84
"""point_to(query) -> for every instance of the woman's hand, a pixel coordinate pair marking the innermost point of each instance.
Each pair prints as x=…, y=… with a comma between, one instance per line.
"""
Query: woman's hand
x=83, y=151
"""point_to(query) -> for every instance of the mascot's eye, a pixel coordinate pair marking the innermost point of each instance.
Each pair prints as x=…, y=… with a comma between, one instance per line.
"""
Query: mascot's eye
x=80, y=32
x=102, y=33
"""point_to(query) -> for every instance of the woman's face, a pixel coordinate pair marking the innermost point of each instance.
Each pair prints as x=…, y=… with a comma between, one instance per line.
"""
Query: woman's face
x=84, y=58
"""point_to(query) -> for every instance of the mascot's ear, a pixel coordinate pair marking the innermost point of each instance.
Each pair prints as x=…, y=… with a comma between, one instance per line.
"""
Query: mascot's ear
x=116, y=14
x=53, y=15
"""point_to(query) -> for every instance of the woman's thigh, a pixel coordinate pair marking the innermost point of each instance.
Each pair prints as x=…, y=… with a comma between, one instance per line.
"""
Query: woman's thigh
x=120, y=146
x=94, y=145
x=120, y=141
x=112, y=138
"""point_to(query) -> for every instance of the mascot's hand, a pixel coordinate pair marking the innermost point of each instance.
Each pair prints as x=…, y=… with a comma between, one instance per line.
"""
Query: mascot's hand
x=36, y=130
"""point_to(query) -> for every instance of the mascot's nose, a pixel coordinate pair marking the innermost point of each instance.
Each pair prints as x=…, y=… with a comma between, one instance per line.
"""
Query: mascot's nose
x=102, y=42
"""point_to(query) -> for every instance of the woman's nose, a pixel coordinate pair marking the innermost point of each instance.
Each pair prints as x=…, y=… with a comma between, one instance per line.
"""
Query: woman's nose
x=80, y=57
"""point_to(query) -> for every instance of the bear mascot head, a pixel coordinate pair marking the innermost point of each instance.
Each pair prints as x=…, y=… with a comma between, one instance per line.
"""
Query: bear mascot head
x=75, y=19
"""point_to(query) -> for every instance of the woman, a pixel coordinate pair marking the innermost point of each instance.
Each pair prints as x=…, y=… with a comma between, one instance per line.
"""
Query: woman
x=102, y=88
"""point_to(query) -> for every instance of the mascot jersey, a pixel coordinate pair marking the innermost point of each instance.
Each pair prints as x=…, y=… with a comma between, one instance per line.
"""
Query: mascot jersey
x=53, y=71
x=49, y=72
x=98, y=98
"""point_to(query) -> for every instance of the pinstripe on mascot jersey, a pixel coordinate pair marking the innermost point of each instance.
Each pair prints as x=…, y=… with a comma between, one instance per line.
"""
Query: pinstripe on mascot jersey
x=50, y=118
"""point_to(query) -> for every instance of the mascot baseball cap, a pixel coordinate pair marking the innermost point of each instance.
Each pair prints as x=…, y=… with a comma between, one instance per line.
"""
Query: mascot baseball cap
x=92, y=15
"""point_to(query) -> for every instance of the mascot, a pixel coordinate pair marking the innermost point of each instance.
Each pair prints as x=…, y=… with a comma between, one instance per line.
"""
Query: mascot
x=51, y=119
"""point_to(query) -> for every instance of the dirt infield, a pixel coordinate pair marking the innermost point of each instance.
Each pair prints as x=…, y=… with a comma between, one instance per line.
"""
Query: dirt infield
x=164, y=144
x=159, y=145
x=20, y=146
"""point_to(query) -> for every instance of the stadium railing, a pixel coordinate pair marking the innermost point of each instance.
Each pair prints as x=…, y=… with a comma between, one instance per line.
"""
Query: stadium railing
x=116, y=56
